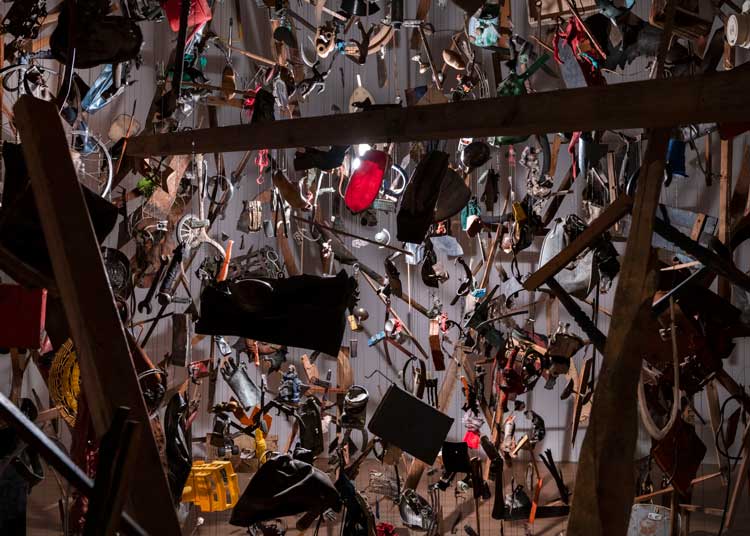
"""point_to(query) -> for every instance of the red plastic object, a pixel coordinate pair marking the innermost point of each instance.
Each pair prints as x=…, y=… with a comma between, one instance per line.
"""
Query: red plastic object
x=385, y=529
x=22, y=315
x=471, y=439
x=366, y=181
x=199, y=13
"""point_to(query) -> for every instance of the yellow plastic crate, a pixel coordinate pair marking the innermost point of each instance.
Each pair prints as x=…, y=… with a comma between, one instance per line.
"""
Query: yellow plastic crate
x=212, y=486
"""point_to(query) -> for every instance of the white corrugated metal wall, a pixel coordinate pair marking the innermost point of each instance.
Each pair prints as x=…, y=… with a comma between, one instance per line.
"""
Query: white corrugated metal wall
x=690, y=193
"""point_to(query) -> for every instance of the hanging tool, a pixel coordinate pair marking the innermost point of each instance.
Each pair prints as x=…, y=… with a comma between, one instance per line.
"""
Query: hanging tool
x=145, y=304
x=437, y=76
x=224, y=270
x=228, y=79
x=467, y=285
x=167, y=288
x=495, y=474
x=315, y=82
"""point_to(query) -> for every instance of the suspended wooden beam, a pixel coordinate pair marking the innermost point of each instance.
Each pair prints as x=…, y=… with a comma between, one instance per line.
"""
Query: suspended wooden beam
x=719, y=97
x=107, y=371
x=613, y=426
x=670, y=489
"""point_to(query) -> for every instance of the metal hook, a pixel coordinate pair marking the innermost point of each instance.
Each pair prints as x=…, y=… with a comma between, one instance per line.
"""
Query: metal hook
x=377, y=371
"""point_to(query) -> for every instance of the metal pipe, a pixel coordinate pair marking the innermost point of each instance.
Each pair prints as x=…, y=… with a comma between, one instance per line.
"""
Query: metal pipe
x=351, y=235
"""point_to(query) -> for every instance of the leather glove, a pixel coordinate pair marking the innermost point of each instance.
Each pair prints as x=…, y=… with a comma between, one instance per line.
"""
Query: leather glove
x=235, y=374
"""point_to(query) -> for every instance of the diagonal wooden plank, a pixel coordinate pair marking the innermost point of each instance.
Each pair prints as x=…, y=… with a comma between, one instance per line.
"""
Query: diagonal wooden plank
x=109, y=378
x=726, y=155
x=611, y=215
x=423, y=9
x=713, y=97
x=557, y=200
x=738, y=205
x=714, y=413
x=607, y=452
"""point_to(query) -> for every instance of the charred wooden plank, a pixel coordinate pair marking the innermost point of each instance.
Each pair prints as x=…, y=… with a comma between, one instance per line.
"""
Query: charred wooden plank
x=709, y=98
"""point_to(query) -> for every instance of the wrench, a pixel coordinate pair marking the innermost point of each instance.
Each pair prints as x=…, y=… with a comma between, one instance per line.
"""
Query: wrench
x=166, y=290
x=145, y=304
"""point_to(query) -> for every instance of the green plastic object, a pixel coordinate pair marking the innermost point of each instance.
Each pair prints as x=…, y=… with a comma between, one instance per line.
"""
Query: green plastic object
x=514, y=86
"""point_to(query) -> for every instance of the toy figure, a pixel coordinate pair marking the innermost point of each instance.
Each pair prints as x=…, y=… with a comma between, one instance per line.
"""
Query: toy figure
x=291, y=386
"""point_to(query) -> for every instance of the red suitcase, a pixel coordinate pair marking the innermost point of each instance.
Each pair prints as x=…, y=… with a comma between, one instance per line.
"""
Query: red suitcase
x=22, y=314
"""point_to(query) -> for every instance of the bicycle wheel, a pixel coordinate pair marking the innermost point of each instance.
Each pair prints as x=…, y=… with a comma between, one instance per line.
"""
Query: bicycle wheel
x=17, y=80
x=92, y=161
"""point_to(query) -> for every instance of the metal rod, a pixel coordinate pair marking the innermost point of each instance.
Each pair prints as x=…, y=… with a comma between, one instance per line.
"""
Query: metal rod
x=301, y=20
x=721, y=266
x=662, y=303
x=60, y=462
x=395, y=315
x=670, y=489
x=179, y=53
x=587, y=325
x=351, y=235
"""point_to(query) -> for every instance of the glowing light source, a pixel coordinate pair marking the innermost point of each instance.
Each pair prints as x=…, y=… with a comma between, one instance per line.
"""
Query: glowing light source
x=362, y=148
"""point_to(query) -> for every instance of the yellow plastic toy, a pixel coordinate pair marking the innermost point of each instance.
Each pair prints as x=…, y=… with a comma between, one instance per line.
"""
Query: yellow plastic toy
x=212, y=486
x=260, y=446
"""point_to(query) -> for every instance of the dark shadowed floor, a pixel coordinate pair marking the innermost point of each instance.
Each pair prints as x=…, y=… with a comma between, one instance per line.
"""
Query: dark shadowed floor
x=458, y=510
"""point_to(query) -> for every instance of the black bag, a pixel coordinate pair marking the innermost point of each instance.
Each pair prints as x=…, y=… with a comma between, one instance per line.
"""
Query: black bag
x=303, y=311
x=98, y=40
x=284, y=487
x=178, y=448
x=311, y=433
x=453, y=197
x=21, y=229
x=324, y=160
x=417, y=210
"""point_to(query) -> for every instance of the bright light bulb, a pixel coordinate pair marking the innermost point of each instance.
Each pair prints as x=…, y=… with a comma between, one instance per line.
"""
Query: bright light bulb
x=363, y=148
x=356, y=163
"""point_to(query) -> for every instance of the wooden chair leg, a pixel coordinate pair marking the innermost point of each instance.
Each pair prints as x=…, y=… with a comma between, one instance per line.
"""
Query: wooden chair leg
x=742, y=475
x=712, y=396
x=673, y=516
